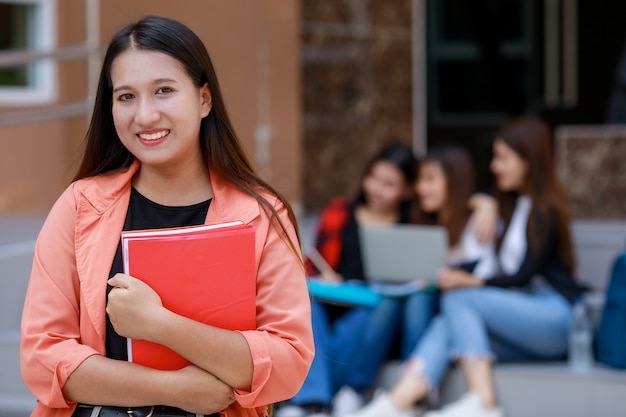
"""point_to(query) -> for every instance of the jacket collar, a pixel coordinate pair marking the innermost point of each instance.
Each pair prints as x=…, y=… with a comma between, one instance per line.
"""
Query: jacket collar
x=229, y=202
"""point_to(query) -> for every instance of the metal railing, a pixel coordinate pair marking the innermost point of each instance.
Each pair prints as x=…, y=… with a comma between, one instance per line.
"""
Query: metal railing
x=52, y=111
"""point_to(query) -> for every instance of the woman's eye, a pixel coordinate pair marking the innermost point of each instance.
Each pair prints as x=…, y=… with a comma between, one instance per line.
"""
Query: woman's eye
x=125, y=97
x=164, y=90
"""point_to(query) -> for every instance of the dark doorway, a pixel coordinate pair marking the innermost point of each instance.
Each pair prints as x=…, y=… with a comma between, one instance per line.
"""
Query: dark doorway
x=493, y=59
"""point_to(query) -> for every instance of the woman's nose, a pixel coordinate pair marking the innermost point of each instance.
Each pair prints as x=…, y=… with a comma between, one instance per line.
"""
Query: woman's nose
x=147, y=113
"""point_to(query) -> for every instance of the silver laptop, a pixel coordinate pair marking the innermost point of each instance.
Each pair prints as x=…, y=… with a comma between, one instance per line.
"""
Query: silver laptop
x=402, y=253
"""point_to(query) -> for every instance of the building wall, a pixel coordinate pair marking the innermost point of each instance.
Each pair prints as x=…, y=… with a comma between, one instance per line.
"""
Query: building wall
x=590, y=164
x=255, y=50
x=357, y=89
x=37, y=159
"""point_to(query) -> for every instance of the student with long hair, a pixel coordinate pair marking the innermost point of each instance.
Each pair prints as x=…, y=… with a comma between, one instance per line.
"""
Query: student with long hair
x=445, y=196
x=352, y=342
x=444, y=187
x=523, y=310
x=160, y=152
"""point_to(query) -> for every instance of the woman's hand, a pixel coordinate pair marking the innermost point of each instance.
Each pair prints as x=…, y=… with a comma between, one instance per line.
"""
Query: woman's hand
x=199, y=392
x=332, y=276
x=133, y=307
x=450, y=278
x=327, y=273
x=484, y=216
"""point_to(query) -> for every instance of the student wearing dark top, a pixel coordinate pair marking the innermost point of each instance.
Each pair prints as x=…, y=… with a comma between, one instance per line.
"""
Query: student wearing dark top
x=523, y=311
x=352, y=343
x=160, y=152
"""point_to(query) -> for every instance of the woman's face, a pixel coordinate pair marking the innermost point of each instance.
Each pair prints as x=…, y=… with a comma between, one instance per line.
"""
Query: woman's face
x=157, y=109
x=431, y=187
x=508, y=167
x=384, y=187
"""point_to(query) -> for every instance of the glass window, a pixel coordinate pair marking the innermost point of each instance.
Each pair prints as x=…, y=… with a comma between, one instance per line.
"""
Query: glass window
x=479, y=59
x=26, y=26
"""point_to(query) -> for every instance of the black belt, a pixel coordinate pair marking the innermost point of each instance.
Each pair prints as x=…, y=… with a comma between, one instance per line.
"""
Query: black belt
x=84, y=410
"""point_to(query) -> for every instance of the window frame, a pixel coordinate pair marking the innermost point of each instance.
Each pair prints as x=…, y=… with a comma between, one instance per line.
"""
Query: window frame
x=44, y=88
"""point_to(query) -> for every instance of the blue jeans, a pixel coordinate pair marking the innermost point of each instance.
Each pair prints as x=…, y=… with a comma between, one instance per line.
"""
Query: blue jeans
x=489, y=322
x=418, y=311
x=350, y=351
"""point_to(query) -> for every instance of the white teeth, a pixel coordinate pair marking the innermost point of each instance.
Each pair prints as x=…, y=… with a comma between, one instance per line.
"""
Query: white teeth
x=153, y=136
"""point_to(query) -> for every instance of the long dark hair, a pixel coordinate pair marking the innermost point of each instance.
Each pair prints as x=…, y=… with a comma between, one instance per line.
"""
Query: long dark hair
x=531, y=139
x=221, y=148
x=457, y=167
x=402, y=157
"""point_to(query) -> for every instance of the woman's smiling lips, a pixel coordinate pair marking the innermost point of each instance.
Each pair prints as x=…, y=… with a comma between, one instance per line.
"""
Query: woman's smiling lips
x=153, y=137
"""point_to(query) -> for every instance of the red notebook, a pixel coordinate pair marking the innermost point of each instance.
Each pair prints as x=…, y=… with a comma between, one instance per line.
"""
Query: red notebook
x=206, y=273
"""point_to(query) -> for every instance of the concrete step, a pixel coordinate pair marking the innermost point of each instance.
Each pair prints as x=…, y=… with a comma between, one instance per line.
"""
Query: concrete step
x=540, y=389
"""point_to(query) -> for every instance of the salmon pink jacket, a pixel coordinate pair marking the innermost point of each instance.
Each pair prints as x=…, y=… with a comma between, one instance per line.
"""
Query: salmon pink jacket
x=63, y=321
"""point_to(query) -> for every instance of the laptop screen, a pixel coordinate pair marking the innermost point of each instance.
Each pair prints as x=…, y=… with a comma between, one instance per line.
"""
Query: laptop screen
x=403, y=253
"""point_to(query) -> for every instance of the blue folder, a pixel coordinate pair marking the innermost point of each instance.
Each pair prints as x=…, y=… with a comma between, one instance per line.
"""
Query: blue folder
x=347, y=293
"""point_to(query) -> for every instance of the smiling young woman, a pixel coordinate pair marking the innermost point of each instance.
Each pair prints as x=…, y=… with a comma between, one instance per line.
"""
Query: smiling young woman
x=160, y=152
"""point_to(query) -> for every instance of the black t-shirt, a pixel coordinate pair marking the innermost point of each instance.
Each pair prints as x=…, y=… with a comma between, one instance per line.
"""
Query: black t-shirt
x=145, y=214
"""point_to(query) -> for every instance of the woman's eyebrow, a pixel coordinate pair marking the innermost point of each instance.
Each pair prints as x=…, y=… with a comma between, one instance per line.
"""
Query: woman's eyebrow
x=163, y=80
x=157, y=81
x=121, y=87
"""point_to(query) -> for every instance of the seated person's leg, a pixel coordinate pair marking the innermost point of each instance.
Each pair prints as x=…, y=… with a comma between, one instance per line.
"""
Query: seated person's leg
x=538, y=323
x=373, y=336
x=419, y=309
x=317, y=389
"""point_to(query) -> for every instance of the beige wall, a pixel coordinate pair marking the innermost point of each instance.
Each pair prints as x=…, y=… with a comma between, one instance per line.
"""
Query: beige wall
x=255, y=50
x=35, y=164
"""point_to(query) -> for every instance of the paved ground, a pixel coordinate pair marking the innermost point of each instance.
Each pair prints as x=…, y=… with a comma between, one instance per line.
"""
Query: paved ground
x=17, y=238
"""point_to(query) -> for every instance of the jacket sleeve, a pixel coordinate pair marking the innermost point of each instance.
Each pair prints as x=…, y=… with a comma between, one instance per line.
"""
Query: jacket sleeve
x=534, y=263
x=329, y=234
x=282, y=345
x=50, y=348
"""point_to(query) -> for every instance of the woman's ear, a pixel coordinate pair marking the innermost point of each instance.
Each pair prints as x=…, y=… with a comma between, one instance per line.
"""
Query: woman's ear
x=207, y=100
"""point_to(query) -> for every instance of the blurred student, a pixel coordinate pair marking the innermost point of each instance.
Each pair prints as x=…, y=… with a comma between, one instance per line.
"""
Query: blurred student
x=445, y=197
x=444, y=187
x=352, y=343
x=523, y=311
